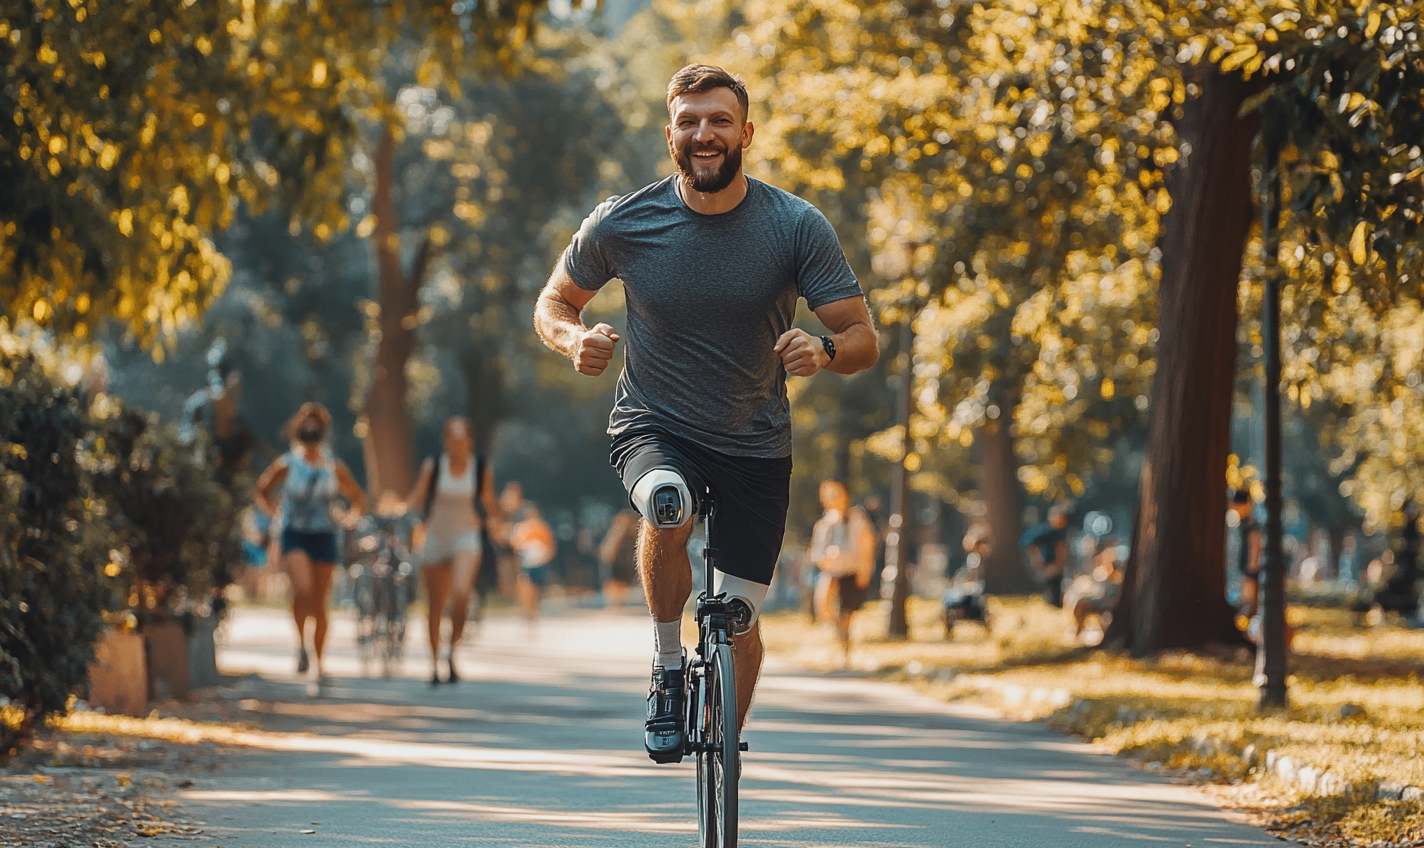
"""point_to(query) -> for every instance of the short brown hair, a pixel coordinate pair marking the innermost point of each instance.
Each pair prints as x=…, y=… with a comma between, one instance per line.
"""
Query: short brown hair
x=696, y=79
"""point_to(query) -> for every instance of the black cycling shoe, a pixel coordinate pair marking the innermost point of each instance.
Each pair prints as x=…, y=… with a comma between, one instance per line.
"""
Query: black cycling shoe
x=664, y=736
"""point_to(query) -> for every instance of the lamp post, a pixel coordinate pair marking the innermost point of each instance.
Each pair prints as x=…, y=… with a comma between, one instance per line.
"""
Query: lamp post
x=1271, y=651
x=897, y=540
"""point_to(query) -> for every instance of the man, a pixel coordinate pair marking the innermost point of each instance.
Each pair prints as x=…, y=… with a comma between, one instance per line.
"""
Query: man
x=712, y=264
x=843, y=550
x=1047, y=546
x=1248, y=551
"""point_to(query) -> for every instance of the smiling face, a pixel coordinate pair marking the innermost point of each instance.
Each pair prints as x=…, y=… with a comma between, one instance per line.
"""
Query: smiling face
x=706, y=135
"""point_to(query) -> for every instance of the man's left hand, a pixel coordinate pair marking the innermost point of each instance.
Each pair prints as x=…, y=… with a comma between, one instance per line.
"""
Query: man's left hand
x=801, y=353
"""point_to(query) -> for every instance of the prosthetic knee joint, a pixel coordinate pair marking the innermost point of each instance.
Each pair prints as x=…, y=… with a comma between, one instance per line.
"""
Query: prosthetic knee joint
x=661, y=496
x=744, y=600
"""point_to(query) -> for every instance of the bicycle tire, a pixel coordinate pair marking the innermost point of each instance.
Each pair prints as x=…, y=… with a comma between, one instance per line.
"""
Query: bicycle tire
x=719, y=767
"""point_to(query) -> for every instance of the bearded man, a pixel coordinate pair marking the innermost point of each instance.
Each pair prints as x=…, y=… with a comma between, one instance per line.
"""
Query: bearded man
x=712, y=264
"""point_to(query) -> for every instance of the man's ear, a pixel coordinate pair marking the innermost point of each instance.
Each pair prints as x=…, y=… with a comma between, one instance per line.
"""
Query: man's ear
x=747, y=131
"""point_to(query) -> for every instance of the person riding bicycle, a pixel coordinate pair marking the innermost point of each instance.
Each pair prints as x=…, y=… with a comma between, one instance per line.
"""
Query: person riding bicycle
x=713, y=263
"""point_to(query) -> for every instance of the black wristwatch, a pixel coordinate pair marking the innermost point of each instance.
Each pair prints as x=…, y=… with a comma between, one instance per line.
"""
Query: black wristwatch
x=830, y=347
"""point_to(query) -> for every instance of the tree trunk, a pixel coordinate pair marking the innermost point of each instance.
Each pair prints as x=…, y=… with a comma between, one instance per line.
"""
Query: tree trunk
x=1174, y=592
x=387, y=417
x=1004, y=573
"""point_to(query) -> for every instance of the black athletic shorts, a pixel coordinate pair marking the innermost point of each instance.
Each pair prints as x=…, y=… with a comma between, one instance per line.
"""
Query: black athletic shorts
x=751, y=494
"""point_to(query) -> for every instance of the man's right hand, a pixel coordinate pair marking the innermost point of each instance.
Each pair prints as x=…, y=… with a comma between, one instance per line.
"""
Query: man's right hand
x=594, y=350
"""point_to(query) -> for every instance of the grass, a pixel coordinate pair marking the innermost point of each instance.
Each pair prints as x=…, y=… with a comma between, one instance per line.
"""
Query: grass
x=1356, y=697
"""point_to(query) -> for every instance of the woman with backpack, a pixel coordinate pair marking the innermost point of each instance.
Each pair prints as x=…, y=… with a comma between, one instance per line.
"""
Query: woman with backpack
x=452, y=491
x=306, y=484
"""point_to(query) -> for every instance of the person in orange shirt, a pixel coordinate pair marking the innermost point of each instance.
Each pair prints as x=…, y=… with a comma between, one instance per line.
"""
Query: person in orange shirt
x=533, y=543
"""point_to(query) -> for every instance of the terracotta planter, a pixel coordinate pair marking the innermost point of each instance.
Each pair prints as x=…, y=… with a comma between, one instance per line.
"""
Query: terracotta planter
x=168, y=673
x=118, y=677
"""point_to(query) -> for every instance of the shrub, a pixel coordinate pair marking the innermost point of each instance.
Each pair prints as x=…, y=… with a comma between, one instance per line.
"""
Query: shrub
x=53, y=547
x=174, y=524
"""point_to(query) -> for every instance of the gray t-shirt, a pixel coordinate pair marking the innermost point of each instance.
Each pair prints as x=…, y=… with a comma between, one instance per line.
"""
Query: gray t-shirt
x=708, y=296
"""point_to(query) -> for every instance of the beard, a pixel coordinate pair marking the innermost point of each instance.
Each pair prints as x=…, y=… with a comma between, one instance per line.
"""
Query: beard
x=706, y=180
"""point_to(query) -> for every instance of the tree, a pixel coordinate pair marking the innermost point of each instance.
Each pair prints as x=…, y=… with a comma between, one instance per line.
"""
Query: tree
x=1173, y=591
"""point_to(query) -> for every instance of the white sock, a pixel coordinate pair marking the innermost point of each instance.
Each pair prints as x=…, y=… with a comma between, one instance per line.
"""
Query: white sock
x=667, y=640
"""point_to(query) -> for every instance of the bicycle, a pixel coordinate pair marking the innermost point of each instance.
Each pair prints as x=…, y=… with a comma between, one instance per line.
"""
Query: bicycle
x=382, y=591
x=711, y=721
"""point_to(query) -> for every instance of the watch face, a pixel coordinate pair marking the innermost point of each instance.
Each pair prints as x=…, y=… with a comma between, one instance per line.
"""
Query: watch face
x=829, y=345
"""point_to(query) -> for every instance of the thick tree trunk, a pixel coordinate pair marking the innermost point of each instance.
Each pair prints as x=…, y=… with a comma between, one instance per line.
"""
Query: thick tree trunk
x=389, y=431
x=1174, y=592
x=1004, y=573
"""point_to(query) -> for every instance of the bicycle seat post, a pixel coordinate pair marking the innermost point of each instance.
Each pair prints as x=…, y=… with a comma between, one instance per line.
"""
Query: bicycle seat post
x=706, y=510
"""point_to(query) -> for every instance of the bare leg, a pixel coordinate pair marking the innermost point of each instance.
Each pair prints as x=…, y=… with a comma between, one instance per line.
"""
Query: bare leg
x=746, y=659
x=665, y=569
x=843, y=631
x=466, y=567
x=528, y=598
x=322, y=573
x=437, y=595
x=299, y=572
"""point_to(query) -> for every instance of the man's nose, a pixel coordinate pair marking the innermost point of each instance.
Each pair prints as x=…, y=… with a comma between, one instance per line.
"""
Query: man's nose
x=704, y=131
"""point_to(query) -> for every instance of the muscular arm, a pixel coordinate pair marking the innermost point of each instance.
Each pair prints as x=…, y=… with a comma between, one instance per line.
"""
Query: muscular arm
x=857, y=345
x=558, y=321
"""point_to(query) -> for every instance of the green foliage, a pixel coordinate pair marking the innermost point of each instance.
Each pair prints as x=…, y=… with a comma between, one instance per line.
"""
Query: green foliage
x=53, y=545
x=100, y=509
x=173, y=524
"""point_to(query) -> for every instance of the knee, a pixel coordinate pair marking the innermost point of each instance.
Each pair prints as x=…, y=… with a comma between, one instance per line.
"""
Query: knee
x=744, y=601
x=663, y=498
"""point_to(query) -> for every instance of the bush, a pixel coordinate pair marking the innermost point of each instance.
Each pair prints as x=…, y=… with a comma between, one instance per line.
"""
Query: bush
x=53, y=548
x=101, y=508
x=174, y=525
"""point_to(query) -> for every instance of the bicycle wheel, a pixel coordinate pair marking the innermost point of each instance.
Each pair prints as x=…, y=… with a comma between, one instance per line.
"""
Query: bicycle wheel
x=718, y=767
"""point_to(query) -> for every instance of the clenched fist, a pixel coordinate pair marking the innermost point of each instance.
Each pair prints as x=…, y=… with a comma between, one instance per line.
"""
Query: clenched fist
x=594, y=350
x=801, y=353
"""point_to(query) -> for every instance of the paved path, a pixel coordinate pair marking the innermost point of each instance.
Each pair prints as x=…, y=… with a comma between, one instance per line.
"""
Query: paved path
x=541, y=747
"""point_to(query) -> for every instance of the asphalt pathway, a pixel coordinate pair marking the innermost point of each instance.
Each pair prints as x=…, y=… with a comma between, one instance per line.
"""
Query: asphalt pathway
x=541, y=746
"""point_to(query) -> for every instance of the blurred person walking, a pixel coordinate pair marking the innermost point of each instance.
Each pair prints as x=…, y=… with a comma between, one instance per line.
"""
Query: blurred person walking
x=843, y=551
x=1047, y=546
x=533, y=542
x=450, y=491
x=1248, y=551
x=618, y=558
x=305, y=485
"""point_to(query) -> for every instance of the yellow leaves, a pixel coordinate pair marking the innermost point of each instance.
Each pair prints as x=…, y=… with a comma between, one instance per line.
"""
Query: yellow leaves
x=41, y=311
x=1372, y=22
x=1238, y=57
x=1351, y=102
x=154, y=36
x=318, y=73
x=149, y=131
x=126, y=222
x=366, y=227
x=46, y=55
x=1359, y=243
x=1108, y=390
x=1329, y=161
x=57, y=145
x=203, y=45
x=222, y=174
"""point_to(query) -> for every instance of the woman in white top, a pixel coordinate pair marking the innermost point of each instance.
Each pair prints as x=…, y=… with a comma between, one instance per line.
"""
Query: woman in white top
x=449, y=488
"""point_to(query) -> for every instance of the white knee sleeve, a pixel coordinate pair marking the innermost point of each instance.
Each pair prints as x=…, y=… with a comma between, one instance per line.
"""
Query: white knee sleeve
x=661, y=497
x=737, y=589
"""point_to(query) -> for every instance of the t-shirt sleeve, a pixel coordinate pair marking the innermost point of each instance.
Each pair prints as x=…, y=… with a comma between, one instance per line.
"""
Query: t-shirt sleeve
x=586, y=258
x=822, y=273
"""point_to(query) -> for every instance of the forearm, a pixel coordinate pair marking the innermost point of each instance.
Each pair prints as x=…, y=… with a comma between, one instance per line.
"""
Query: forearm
x=857, y=348
x=558, y=323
